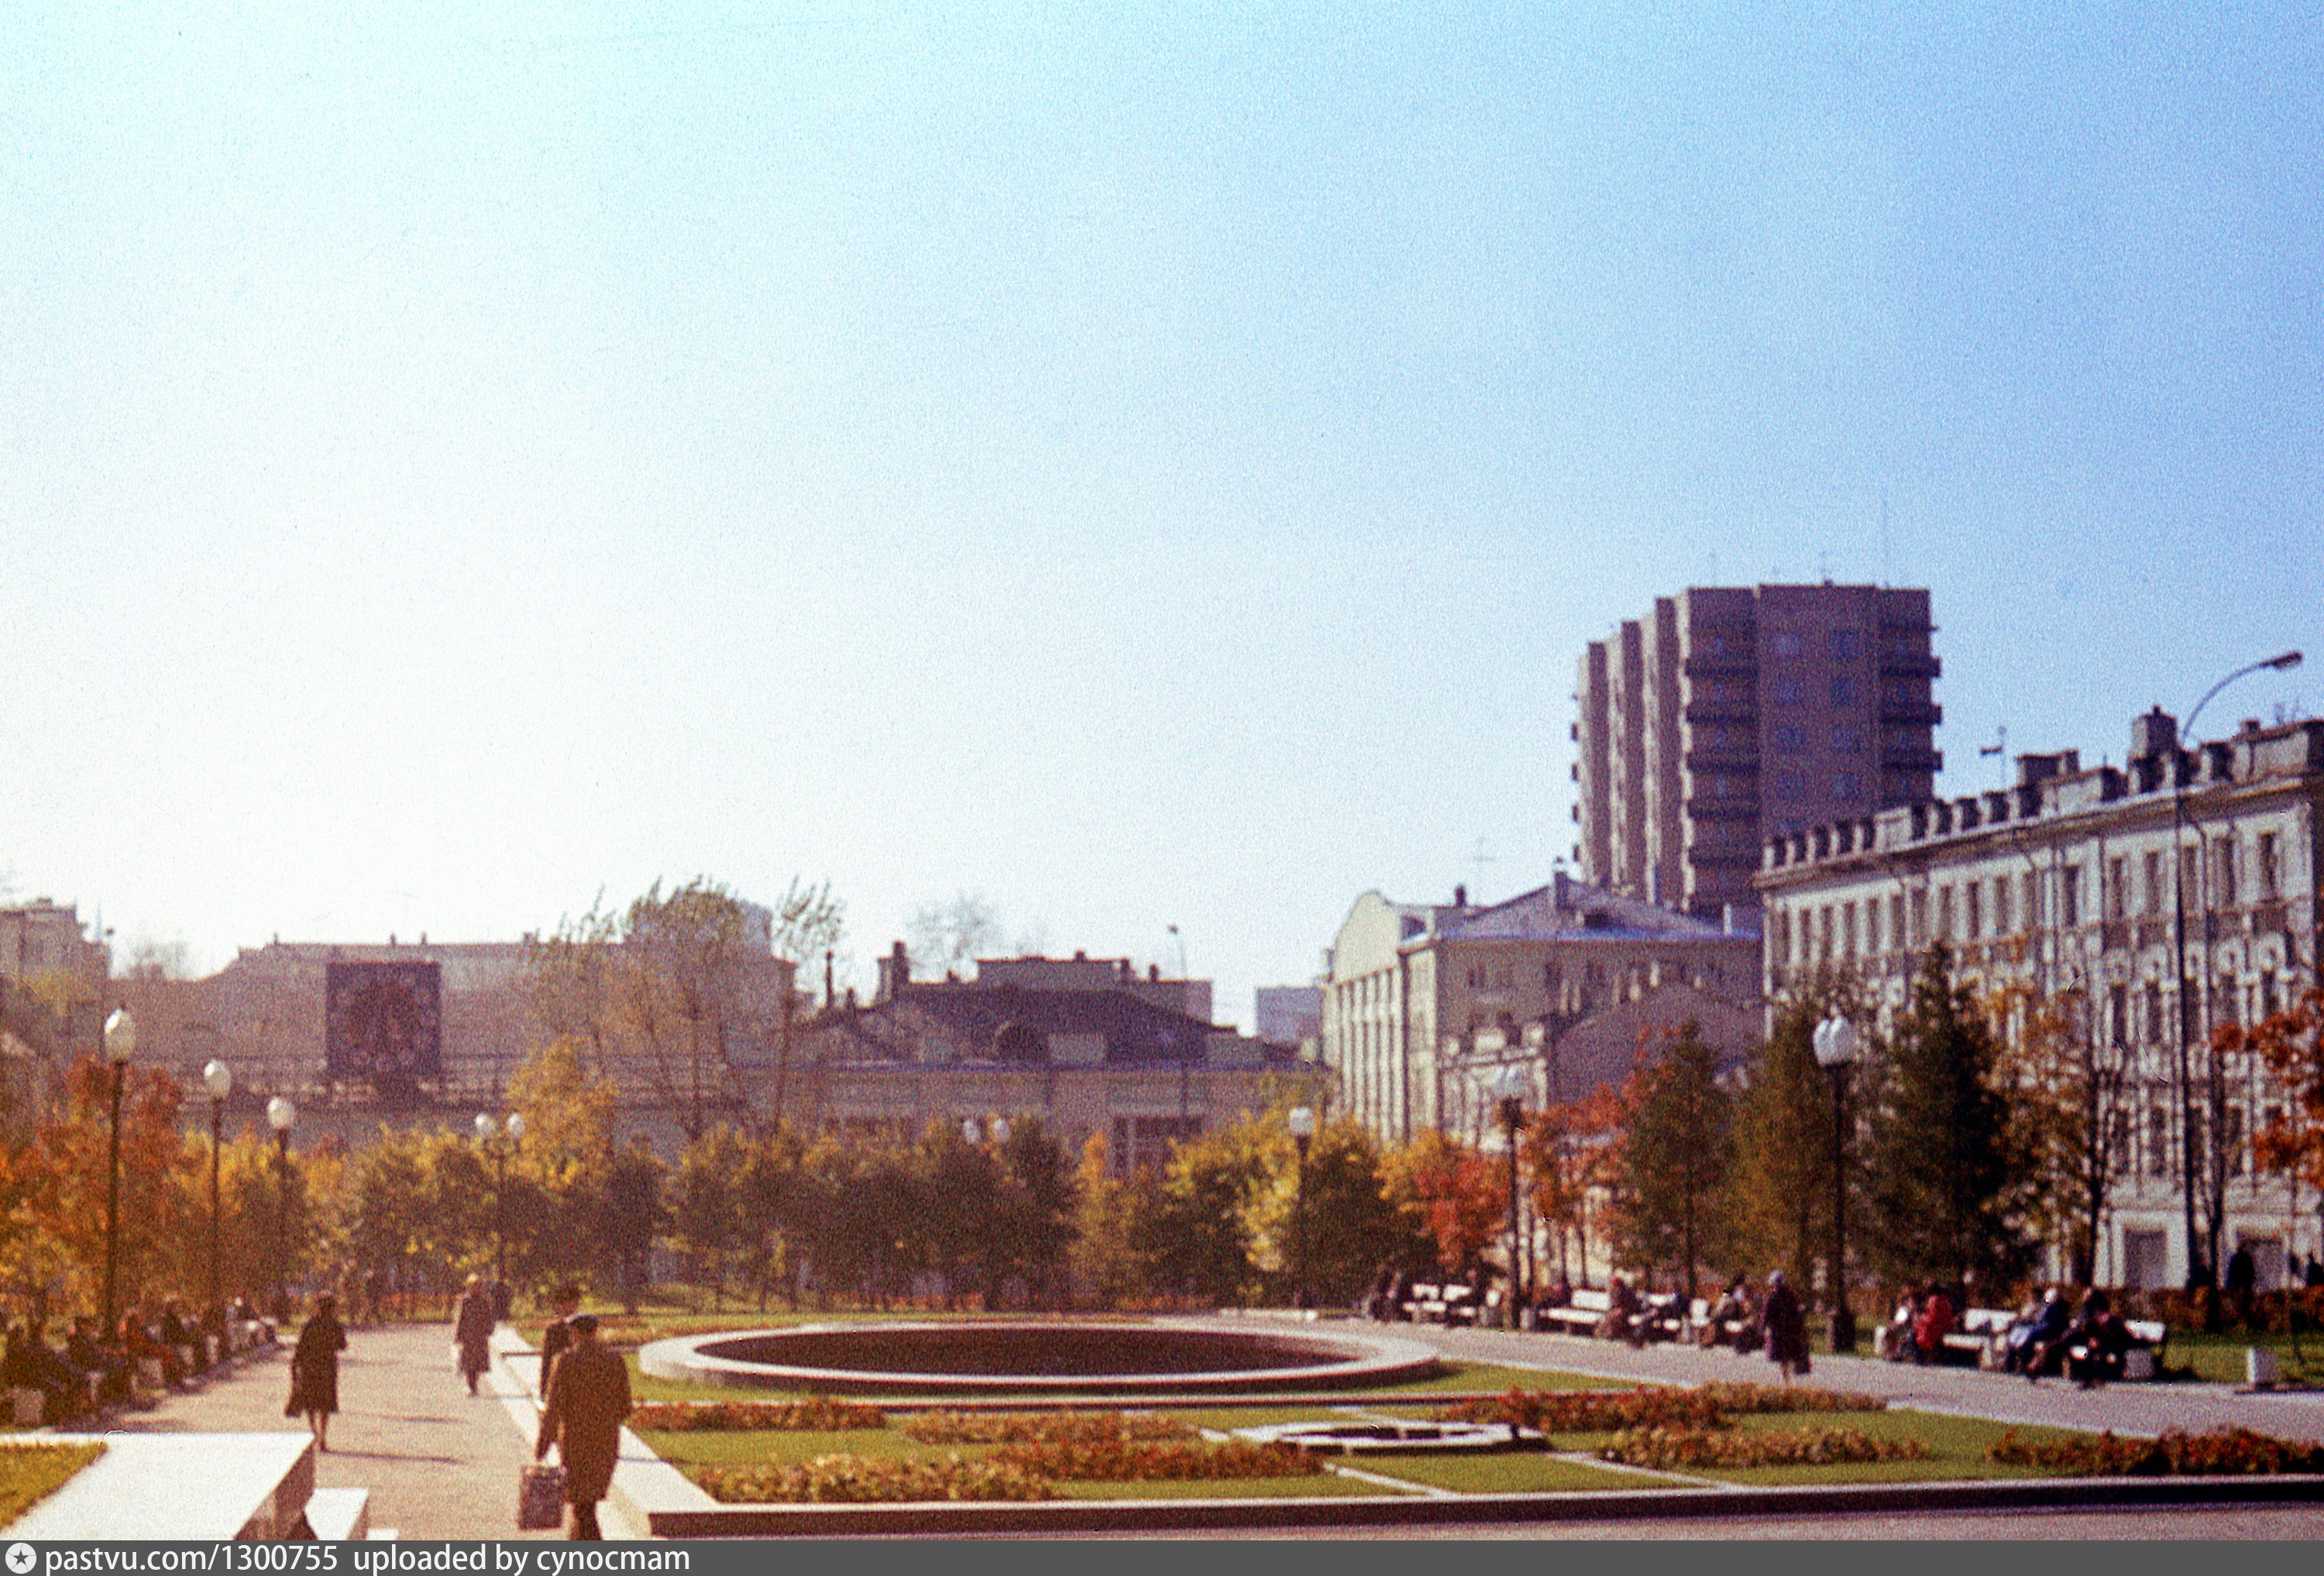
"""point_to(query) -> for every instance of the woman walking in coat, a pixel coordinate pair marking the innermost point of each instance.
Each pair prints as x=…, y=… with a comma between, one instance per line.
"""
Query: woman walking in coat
x=315, y=1369
x=1786, y=1326
x=588, y=1398
x=475, y=1331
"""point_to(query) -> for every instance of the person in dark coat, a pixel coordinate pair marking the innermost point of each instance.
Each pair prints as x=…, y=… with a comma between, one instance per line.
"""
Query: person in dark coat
x=1786, y=1326
x=564, y=1302
x=588, y=1400
x=473, y=1332
x=315, y=1369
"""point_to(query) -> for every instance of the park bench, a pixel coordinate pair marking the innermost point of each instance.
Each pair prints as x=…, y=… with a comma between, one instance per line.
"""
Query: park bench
x=1582, y=1316
x=1452, y=1302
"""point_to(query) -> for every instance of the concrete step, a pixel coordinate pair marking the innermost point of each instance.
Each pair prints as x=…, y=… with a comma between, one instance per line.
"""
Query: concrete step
x=337, y=1515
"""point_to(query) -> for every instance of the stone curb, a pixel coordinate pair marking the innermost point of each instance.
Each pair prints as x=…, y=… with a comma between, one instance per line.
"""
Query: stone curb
x=930, y=1520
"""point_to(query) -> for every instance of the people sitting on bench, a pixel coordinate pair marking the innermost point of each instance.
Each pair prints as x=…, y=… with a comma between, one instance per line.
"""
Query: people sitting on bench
x=1626, y=1314
x=2030, y=1336
x=2092, y=1347
x=1930, y=1328
x=1734, y=1320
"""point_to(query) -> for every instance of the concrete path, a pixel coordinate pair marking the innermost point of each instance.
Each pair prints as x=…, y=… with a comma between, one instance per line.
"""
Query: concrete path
x=2127, y=1408
x=439, y=1462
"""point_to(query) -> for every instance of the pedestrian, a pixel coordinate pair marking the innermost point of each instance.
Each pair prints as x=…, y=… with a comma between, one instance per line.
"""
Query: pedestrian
x=474, y=1331
x=1786, y=1326
x=564, y=1302
x=315, y=1369
x=588, y=1398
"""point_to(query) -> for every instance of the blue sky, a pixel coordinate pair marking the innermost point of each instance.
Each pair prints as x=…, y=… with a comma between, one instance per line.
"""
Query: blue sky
x=1149, y=469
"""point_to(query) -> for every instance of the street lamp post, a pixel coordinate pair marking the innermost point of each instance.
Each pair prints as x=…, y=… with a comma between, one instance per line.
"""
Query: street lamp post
x=120, y=1040
x=1509, y=1086
x=1836, y=1048
x=280, y=1115
x=2197, y=1269
x=1301, y=1120
x=218, y=1079
x=488, y=1134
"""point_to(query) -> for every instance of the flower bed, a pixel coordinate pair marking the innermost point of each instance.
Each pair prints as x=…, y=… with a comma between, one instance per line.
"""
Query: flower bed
x=1042, y=1427
x=2219, y=1452
x=1651, y=1406
x=1722, y=1447
x=820, y=1412
x=851, y=1479
x=1123, y=1461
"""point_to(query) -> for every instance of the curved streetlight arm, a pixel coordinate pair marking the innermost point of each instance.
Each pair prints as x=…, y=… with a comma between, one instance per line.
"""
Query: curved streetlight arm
x=2281, y=662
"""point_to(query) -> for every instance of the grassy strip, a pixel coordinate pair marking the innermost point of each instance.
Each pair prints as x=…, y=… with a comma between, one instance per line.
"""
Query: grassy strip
x=29, y=1473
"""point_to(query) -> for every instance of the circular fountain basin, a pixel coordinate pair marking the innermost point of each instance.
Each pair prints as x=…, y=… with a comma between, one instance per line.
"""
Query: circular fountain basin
x=1052, y=1357
x=1353, y=1438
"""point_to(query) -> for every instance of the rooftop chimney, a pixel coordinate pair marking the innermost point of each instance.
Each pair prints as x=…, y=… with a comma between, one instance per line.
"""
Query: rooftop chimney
x=2156, y=733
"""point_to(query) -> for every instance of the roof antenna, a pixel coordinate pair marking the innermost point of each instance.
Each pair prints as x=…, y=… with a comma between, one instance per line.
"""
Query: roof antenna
x=1999, y=747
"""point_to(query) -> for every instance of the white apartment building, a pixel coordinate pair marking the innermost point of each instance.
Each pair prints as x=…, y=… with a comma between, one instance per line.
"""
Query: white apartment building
x=2070, y=885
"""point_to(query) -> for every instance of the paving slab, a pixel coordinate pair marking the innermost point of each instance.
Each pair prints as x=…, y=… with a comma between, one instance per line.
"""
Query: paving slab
x=438, y=1463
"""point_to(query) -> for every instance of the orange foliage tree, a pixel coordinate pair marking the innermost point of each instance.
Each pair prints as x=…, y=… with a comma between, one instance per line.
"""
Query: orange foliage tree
x=1454, y=1196
x=2292, y=1044
x=60, y=1182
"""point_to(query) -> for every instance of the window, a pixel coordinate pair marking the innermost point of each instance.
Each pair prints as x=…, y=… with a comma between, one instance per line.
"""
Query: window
x=2001, y=905
x=1971, y=928
x=2153, y=881
x=1871, y=927
x=2069, y=896
x=2030, y=888
x=1843, y=691
x=1789, y=738
x=1787, y=692
x=1843, y=644
x=1944, y=913
x=1847, y=930
x=2117, y=878
x=1791, y=785
x=2158, y=1141
x=1787, y=643
x=1920, y=932
x=2119, y=1015
x=2270, y=872
x=1847, y=740
x=2225, y=851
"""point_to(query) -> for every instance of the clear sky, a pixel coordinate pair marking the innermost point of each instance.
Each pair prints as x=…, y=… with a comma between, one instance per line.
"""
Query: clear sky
x=1148, y=469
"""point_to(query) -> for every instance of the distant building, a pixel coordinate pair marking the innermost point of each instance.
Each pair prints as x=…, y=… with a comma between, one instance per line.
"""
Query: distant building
x=1287, y=1015
x=1425, y=1003
x=1730, y=714
x=1089, y=1045
x=2069, y=886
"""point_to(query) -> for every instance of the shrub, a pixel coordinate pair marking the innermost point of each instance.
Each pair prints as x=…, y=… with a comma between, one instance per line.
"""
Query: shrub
x=1042, y=1427
x=1123, y=1461
x=1747, y=1398
x=820, y=1412
x=1592, y=1411
x=1699, y=1447
x=2176, y=1453
x=851, y=1479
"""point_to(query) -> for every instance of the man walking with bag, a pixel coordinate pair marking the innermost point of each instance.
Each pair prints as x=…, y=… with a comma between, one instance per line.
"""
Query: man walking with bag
x=588, y=1400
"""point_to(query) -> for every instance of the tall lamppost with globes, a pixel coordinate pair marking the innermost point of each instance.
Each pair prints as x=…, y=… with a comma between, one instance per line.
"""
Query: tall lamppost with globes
x=489, y=1133
x=2190, y=1146
x=120, y=1040
x=1301, y=1120
x=1509, y=1088
x=1836, y=1049
x=280, y=1114
x=218, y=1079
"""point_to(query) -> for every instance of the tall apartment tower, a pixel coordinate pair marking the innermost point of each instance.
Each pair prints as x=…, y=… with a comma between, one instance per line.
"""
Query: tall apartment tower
x=1730, y=714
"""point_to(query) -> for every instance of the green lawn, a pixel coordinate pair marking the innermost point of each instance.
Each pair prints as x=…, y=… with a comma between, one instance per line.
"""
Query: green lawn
x=2219, y=1358
x=29, y=1473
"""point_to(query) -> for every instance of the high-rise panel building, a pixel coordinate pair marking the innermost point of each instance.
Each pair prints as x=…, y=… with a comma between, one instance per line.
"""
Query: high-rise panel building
x=1731, y=714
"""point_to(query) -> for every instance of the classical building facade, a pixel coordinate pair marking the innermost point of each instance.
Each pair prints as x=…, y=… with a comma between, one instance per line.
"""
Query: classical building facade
x=1090, y=1045
x=2101, y=891
x=1729, y=715
x=1423, y=1004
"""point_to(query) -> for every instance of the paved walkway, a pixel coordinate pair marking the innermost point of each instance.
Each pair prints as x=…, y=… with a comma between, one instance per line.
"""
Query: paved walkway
x=439, y=1462
x=2126, y=1408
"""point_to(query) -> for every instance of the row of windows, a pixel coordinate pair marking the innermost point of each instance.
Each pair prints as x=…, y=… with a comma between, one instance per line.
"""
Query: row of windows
x=1977, y=909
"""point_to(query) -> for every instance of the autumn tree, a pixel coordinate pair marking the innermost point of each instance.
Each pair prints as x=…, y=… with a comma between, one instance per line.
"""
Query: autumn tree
x=1674, y=1159
x=2067, y=1088
x=1946, y=1183
x=2291, y=1042
x=1450, y=1194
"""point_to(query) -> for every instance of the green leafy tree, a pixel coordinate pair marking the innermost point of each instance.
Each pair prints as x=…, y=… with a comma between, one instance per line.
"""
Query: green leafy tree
x=632, y=1211
x=1034, y=1224
x=1674, y=1160
x=1784, y=1156
x=1946, y=1182
x=1197, y=1242
x=708, y=1212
